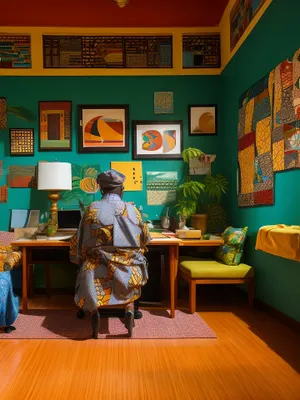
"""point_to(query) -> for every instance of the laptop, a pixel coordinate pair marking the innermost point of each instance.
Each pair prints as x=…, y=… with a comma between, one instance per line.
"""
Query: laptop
x=68, y=220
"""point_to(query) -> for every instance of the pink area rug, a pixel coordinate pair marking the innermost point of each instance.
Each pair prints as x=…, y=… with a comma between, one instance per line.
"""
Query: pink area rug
x=63, y=324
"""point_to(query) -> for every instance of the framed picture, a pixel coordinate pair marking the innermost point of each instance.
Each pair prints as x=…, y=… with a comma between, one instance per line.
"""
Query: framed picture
x=157, y=140
x=103, y=128
x=203, y=120
x=21, y=142
x=163, y=103
x=55, y=126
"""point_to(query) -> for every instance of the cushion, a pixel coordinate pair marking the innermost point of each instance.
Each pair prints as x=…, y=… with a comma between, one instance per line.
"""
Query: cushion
x=212, y=269
x=9, y=257
x=232, y=250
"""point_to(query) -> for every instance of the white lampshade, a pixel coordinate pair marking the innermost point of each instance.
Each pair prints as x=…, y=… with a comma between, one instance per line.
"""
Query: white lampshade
x=54, y=176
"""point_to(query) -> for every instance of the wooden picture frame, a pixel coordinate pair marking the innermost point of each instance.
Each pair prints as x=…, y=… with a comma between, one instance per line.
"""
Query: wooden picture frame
x=103, y=128
x=157, y=140
x=55, y=120
x=203, y=119
x=21, y=141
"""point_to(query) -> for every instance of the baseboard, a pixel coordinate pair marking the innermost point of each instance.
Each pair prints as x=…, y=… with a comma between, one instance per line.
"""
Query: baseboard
x=273, y=312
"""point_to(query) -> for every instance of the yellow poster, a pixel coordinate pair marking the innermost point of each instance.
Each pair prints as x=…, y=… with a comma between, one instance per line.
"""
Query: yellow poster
x=133, y=172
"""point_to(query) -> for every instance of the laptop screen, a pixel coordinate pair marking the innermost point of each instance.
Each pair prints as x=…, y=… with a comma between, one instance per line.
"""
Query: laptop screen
x=68, y=219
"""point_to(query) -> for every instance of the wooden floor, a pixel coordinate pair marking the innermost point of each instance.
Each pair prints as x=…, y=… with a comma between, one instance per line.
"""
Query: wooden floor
x=255, y=357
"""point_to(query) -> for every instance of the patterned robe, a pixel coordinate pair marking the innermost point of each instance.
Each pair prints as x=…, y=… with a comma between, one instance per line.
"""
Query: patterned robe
x=109, y=248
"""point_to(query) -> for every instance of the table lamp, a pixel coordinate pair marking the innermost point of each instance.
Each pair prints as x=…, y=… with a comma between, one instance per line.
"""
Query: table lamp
x=54, y=177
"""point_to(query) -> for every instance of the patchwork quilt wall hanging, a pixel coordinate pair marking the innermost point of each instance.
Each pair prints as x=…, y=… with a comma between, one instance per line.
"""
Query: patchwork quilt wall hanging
x=268, y=132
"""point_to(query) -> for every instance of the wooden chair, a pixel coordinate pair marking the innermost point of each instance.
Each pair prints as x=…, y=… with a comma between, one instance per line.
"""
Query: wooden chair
x=210, y=272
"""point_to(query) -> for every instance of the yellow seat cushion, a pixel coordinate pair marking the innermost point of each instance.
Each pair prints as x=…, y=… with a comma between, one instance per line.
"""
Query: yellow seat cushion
x=211, y=269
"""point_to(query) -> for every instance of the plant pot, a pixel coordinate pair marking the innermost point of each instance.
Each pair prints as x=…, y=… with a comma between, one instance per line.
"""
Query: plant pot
x=199, y=221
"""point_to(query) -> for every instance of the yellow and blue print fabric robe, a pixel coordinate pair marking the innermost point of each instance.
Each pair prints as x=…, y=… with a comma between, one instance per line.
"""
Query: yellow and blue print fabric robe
x=109, y=248
x=9, y=302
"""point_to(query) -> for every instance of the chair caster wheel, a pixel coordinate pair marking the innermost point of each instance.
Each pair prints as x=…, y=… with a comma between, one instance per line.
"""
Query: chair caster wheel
x=80, y=314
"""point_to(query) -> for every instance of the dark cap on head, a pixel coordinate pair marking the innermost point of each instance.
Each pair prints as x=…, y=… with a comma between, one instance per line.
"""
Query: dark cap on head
x=111, y=181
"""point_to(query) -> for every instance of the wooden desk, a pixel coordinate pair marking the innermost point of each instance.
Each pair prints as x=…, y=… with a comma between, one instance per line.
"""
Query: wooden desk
x=173, y=244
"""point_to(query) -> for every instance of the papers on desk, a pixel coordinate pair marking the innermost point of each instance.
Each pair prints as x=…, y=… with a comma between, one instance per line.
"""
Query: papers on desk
x=59, y=237
x=24, y=218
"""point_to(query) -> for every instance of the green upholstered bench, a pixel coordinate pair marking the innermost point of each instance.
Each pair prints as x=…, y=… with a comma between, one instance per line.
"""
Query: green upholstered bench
x=200, y=271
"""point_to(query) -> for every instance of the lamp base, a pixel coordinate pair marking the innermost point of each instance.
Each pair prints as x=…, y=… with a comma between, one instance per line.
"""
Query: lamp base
x=53, y=220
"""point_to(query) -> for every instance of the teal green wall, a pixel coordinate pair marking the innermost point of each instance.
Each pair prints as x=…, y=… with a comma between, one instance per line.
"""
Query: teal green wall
x=138, y=92
x=274, y=38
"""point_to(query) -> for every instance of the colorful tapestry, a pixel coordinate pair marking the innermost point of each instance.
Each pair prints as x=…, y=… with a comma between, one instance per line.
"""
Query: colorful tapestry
x=254, y=146
x=241, y=15
x=269, y=132
x=15, y=51
x=84, y=185
x=22, y=176
x=201, y=51
x=107, y=51
x=286, y=114
x=3, y=116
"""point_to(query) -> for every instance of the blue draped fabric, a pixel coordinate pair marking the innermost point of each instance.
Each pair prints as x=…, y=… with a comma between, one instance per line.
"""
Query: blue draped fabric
x=9, y=302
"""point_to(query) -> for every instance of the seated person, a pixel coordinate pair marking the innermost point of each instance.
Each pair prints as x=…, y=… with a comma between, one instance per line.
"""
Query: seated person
x=109, y=248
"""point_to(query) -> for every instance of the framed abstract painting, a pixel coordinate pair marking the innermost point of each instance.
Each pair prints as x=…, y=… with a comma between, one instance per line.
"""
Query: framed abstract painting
x=55, y=126
x=103, y=128
x=203, y=120
x=157, y=140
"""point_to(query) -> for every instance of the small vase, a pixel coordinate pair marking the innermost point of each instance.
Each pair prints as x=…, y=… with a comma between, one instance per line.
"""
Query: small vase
x=51, y=229
x=181, y=222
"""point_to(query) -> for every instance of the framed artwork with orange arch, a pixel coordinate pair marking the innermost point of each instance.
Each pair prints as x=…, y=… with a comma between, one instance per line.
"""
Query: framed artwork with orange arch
x=203, y=120
x=157, y=140
x=103, y=128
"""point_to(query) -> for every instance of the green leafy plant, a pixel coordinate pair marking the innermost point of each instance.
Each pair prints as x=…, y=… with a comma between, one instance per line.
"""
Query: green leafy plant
x=194, y=196
x=20, y=112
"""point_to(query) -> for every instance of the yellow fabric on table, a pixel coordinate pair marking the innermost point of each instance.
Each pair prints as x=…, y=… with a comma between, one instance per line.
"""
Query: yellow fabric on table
x=280, y=240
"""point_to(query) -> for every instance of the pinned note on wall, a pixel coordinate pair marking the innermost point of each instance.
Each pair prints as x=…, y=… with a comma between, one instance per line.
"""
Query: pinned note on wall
x=133, y=172
x=202, y=164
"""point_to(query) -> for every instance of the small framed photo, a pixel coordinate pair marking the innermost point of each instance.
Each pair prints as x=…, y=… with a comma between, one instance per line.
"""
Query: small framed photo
x=55, y=126
x=163, y=103
x=157, y=140
x=103, y=128
x=21, y=142
x=203, y=120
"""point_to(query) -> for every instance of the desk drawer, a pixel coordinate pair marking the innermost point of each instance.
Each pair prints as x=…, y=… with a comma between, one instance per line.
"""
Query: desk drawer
x=48, y=255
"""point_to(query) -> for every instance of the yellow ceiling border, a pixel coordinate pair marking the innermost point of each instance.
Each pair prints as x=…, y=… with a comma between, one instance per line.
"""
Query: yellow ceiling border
x=37, y=52
x=37, y=33
x=224, y=27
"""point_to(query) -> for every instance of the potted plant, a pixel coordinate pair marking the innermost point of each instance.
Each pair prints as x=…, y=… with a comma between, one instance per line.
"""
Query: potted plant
x=196, y=198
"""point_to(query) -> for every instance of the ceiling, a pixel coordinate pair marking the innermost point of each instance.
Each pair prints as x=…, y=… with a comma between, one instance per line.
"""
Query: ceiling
x=106, y=13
